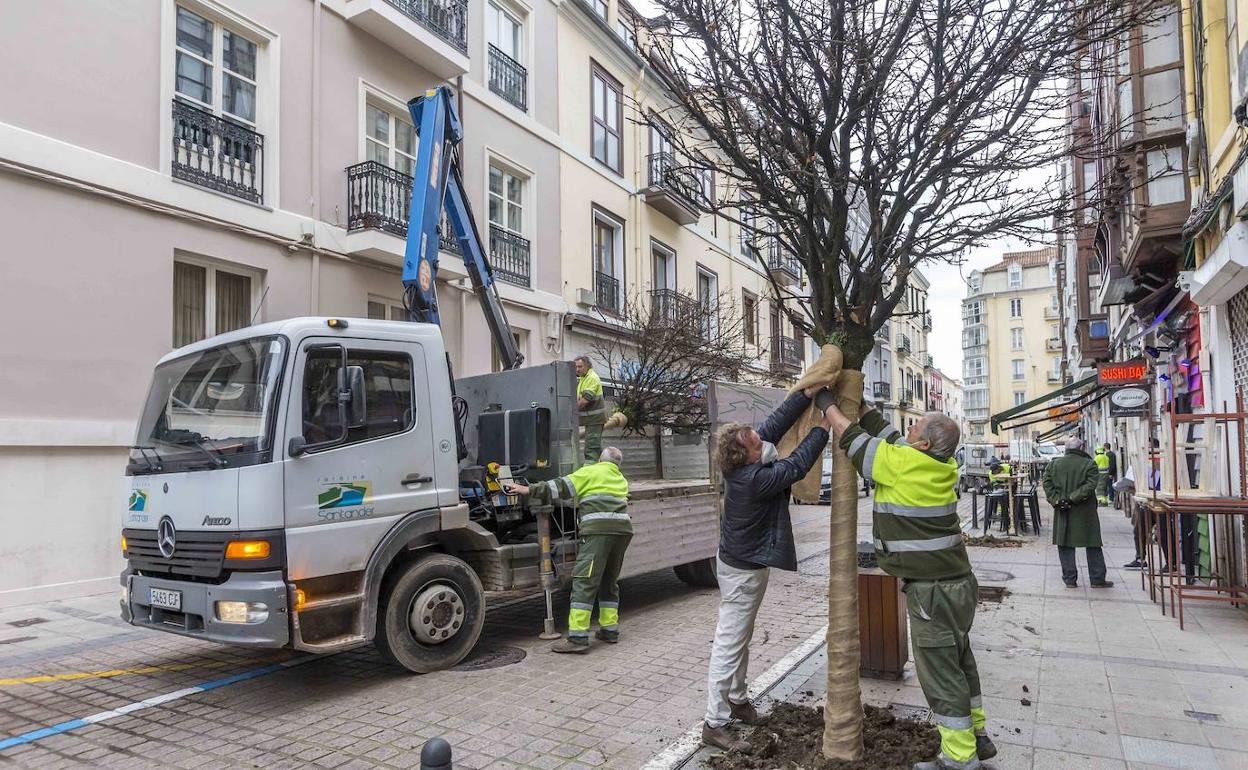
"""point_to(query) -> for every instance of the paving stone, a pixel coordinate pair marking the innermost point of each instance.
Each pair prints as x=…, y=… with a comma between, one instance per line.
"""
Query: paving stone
x=1168, y=753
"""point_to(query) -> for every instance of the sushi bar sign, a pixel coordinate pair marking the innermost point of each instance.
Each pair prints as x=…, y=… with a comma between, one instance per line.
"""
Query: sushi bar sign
x=1127, y=381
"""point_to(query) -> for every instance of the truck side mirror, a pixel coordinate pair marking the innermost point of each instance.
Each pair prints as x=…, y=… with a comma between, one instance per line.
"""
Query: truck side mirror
x=297, y=446
x=357, y=408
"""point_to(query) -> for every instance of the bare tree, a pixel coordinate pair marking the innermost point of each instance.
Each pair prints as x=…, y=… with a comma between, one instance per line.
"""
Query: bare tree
x=668, y=350
x=866, y=137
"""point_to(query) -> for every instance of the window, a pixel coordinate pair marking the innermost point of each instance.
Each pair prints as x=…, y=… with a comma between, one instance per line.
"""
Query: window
x=663, y=262
x=706, y=184
x=708, y=301
x=1016, y=339
x=749, y=311
x=1165, y=176
x=1052, y=271
x=600, y=8
x=1163, y=100
x=1126, y=110
x=608, y=244
x=215, y=67
x=1020, y=398
x=389, y=409
x=1161, y=43
x=1017, y=367
x=1015, y=275
x=389, y=140
x=746, y=215
x=381, y=309
x=496, y=363
x=972, y=283
x=506, y=200
x=1016, y=307
x=608, y=107
x=208, y=300
x=625, y=29
x=505, y=31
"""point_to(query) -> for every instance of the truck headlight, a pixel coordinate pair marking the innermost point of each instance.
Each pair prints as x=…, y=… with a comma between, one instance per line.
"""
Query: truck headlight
x=242, y=612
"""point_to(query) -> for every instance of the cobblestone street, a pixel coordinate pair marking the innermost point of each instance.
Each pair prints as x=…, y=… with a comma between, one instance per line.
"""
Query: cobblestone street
x=614, y=708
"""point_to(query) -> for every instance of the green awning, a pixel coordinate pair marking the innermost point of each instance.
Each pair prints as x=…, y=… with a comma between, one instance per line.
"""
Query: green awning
x=1085, y=391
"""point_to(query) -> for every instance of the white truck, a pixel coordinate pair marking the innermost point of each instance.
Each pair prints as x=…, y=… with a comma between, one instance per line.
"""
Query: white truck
x=319, y=483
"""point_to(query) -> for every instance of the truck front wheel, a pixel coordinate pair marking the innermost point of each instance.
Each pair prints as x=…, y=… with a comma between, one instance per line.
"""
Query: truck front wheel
x=431, y=614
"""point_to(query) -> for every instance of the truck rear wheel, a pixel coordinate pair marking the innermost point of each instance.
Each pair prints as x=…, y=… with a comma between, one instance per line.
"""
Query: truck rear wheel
x=699, y=574
x=431, y=614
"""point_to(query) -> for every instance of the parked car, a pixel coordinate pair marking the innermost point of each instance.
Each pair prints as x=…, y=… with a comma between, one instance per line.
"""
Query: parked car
x=825, y=482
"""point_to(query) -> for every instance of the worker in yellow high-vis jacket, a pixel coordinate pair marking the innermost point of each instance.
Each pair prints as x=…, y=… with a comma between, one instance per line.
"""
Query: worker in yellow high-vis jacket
x=918, y=538
x=593, y=409
x=1102, y=476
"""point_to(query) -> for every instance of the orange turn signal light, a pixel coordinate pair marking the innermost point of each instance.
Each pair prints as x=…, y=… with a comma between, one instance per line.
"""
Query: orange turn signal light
x=300, y=599
x=124, y=545
x=248, y=549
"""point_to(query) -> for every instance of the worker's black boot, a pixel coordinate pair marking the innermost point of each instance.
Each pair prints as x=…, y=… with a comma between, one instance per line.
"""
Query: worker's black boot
x=722, y=738
x=610, y=637
x=570, y=646
x=746, y=713
x=984, y=747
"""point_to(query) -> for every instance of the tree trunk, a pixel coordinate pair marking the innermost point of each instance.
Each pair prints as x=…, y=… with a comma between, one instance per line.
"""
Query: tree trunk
x=842, y=714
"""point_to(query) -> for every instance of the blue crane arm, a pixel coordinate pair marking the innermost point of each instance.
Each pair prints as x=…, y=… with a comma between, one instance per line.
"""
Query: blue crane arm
x=438, y=184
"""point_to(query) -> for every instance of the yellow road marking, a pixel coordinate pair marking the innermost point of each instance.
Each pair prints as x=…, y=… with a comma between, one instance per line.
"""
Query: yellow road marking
x=114, y=672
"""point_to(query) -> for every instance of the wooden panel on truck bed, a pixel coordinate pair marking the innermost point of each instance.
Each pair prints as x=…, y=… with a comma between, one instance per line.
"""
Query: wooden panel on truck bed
x=671, y=530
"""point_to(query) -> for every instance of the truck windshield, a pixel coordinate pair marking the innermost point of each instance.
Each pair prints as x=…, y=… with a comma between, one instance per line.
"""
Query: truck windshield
x=210, y=409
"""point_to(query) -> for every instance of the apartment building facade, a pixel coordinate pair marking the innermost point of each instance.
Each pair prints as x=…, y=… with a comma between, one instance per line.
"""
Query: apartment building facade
x=897, y=373
x=255, y=166
x=1011, y=339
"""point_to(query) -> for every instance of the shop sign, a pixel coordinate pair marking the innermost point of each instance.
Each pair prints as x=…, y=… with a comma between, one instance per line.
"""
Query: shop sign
x=1134, y=372
x=1130, y=402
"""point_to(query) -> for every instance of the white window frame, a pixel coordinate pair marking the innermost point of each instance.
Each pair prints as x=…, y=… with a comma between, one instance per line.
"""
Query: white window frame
x=1016, y=338
x=669, y=260
x=519, y=15
x=522, y=13
x=713, y=315
x=625, y=31
x=600, y=216
x=1014, y=275
x=211, y=268
x=602, y=9
x=494, y=160
x=1018, y=369
x=217, y=63
x=1020, y=397
x=391, y=306
x=371, y=95
x=268, y=90
x=1016, y=302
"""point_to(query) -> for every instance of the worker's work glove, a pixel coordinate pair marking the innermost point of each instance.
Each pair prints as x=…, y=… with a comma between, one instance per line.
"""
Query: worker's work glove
x=824, y=399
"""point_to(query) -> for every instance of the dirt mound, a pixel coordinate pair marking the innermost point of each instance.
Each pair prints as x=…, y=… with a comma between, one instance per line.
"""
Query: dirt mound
x=793, y=738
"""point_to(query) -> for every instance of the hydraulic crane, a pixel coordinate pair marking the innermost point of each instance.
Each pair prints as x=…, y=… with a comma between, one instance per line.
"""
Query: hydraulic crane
x=437, y=184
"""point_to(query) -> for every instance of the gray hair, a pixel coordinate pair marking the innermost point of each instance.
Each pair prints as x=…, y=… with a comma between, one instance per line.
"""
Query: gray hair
x=942, y=434
x=585, y=360
x=1075, y=444
x=611, y=455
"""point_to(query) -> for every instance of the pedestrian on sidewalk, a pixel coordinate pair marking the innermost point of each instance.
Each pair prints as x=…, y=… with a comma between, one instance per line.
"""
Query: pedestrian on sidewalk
x=1113, y=473
x=1101, y=462
x=918, y=538
x=755, y=533
x=601, y=493
x=1070, y=482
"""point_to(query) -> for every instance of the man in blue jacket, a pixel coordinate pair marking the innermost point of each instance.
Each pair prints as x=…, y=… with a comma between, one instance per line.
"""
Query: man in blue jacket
x=755, y=534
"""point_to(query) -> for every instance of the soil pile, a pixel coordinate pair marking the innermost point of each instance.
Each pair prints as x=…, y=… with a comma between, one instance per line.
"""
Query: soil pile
x=793, y=738
x=988, y=541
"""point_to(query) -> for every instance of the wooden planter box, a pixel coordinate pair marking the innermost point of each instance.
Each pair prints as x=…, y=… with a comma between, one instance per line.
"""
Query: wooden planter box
x=882, y=629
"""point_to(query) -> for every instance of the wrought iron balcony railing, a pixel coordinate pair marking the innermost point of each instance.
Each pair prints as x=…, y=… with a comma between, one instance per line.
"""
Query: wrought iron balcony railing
x=903, y=345
x=379, y=198
x=217, y=153
x=607, y=290
x=882, y=390
x=905, y=397
x=928, y=362
x=448, y=19
x=509, y=256
x=668, y=174
x=782, y=260
x=786, y=352
x=508, y=78
x=670, y=307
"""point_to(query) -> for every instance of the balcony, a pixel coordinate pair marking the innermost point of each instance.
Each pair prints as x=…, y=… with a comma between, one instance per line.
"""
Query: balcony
x=882, y=391
x=1051, y=314
x=217, y=154
x=432, y=33
x=927, y=322
x=905, y=397
x=784, y=267
x=786, y=354
x=975, y=350
x=976, y=414
x=672, y=309
x=509, y=256
x=903, y=345
x=607, y=293
x=1053, y=377
x=928, y=363
x=672, y=188
x=1092, y=335
x=379, y=199
x=508, y=78
x=1053, y=344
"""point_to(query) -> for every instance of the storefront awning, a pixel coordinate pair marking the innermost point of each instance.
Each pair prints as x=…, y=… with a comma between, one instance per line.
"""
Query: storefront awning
x=1074, y=398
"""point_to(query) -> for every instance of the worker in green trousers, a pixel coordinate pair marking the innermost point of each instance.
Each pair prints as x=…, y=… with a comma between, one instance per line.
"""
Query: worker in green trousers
x=918, y=538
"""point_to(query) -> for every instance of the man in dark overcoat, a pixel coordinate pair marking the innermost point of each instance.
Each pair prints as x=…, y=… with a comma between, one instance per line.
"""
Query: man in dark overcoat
x=1070, y=484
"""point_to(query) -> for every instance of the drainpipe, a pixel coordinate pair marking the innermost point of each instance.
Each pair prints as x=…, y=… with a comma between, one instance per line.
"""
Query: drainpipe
x=635, y=198
x=315, y=201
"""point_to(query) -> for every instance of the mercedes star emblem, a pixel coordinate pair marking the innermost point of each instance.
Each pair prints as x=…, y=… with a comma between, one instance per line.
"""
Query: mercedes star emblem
x=166, y=537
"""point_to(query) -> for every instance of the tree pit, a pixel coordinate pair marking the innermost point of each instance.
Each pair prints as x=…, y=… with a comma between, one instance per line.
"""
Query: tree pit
x=793, y=738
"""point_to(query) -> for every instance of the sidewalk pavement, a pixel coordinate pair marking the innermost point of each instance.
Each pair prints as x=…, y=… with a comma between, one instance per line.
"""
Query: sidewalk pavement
x=1083, y=678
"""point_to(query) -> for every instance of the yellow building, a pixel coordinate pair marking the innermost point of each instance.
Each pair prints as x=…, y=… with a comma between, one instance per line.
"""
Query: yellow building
x=1011, y=340
x=1216, y=235
x=633, y=221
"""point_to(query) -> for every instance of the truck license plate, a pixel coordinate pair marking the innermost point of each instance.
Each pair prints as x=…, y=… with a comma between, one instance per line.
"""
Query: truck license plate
x=162, y=597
